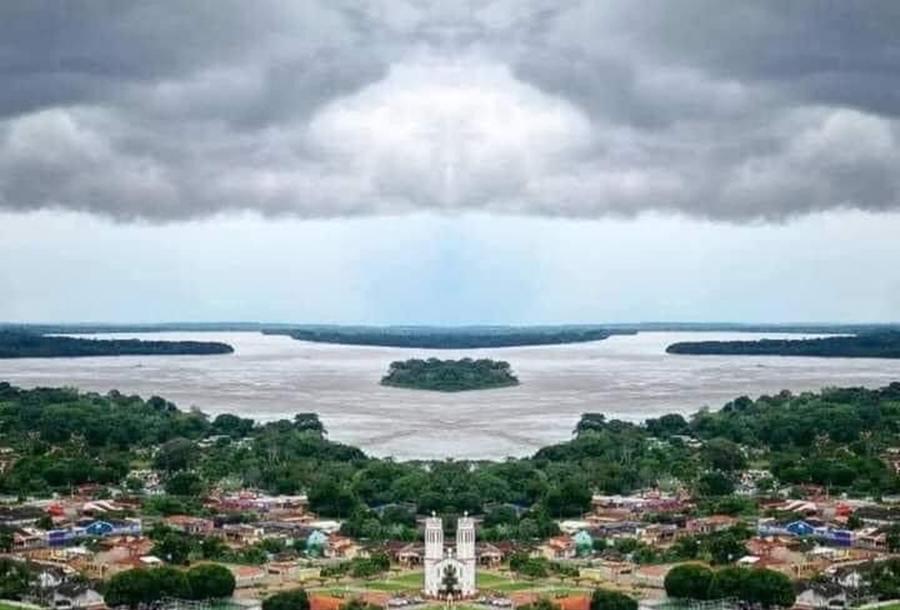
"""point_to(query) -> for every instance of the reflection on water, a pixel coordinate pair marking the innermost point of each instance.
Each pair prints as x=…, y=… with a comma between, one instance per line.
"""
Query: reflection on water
x=629, y=377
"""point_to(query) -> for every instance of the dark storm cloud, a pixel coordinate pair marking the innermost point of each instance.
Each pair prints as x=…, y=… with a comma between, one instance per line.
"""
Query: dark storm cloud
x=173, y=110
x=820, y=51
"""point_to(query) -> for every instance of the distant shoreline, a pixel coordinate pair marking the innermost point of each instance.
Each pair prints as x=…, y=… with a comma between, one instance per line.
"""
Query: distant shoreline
x=884, y=344
x=449, y=339
x=17, y=344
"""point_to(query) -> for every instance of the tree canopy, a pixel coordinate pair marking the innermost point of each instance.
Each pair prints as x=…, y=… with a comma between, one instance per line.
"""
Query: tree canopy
x=881, y=344
x=834, y=437
x=295, y=599
x=457, y=338
x=23, y=344
x=449, y=375
x=603, y=599
x=756, y=586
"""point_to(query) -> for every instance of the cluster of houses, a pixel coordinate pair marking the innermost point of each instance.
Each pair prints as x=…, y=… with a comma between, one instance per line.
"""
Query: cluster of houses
x=68, y=543
x=822, y=543
x=65, y=523
x=810, y=540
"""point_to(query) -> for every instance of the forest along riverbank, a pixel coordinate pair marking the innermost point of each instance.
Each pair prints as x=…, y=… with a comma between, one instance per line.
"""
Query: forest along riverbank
x=627, y=377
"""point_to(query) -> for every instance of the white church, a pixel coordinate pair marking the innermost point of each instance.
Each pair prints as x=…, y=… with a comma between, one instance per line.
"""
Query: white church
x=438, y=559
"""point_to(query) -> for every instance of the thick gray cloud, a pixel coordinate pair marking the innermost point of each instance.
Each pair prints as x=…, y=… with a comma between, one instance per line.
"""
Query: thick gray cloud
x=174, y=110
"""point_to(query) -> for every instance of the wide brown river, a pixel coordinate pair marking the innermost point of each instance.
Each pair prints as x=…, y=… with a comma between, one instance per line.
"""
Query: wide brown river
x=629, y=377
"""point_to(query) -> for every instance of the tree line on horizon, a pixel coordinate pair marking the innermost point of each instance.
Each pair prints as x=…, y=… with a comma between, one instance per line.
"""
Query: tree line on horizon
x=22, y=344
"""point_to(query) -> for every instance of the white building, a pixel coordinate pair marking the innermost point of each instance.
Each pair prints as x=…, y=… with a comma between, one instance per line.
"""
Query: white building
x=438, y=561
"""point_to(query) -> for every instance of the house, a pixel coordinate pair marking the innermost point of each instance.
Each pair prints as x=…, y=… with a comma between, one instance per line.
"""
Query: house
x=326, y=525
x=28, y=538
x=100, y=508
x=777, y=554
x=878, y=515
x=615, y=529
x=100, y=529
x=573, y=526
x=658, y=533
x=653, y=576
x=290, y=571
x=489, y=555
x=247, y=576
x=871, y=538
x=20, y=516
x=629, y=506
x=190, y=525
x=125, y=527
x=340, y=547
x=771, y=527
x=76, y=595
x=242, y=534
x=316, y=542
x=59, y=555
x=584, y=544
x=64, y=536
x=407, y=554
x=248, y=500
x=150, y=561
x=711, y=524
x=559, y=547
x=839, y=537
x=114, y=556
x=800, y=528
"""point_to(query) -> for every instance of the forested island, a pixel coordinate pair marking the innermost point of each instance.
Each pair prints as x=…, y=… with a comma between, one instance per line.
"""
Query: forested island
x=450, y=375
x=19, y=344
x=448, y=338
x=870, y=345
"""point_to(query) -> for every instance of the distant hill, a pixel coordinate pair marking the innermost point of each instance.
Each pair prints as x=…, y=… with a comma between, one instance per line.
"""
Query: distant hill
x=870, y=345
x=18, y=344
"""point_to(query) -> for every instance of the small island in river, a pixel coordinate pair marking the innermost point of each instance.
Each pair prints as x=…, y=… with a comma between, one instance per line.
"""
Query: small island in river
x=21, y=344
x=449, y=375
x=884, y=344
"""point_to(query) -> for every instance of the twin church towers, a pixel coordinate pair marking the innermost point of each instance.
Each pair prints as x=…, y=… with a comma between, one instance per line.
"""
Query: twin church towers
x=439, y=561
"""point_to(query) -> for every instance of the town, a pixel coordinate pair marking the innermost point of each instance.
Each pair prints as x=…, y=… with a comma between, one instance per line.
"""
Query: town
x=66, y=552
x=97, y=516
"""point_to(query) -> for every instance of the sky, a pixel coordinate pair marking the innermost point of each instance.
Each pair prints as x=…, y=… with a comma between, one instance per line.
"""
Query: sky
x=435, y=162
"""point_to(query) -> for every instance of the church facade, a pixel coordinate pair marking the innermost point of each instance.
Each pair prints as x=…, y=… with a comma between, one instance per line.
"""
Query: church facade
x=439, y=561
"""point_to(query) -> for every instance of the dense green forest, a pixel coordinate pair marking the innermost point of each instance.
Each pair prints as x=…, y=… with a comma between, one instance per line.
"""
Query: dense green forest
x=19, y=344
x=885, y=344
x=449, y=375
x=449, y=338
x=835, y=437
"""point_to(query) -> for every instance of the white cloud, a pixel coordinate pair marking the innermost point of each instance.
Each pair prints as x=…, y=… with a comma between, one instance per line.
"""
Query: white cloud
x=448, y=135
